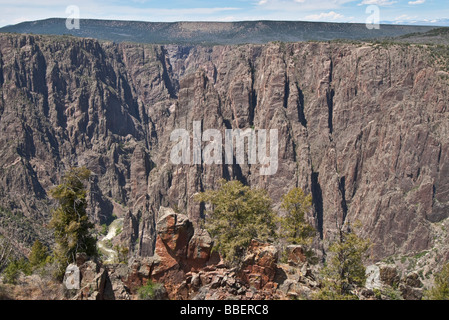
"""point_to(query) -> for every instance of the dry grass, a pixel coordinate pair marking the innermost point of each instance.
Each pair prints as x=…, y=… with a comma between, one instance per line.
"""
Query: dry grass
x=32, y=288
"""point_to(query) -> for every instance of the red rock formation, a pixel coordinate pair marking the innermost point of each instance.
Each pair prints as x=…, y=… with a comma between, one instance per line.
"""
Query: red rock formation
x=260, y=265
x=296, y=255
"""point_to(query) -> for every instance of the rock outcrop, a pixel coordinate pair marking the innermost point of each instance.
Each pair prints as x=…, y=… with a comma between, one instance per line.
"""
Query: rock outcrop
x=260, y=265
x=386, y=278
x=260, y=275
x=202, y=276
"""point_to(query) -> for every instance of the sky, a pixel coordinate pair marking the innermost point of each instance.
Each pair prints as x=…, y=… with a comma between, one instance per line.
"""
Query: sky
x=391, y=11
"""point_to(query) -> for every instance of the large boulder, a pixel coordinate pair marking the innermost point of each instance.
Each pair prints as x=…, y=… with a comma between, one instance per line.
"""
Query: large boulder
x=373, y=277
x=118, y=284
x=72, y=277
x=260, y=265
x=175, y=231
x=93, y=281
x=413, y=280
x=388, y=275
x=296, y=255
x=199, y=249
x=178, y=250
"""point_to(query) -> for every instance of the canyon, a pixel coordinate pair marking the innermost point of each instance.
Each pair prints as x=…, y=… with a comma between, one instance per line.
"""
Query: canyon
x=363, y=127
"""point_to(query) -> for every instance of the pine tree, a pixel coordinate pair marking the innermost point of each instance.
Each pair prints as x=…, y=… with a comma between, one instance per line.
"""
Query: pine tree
x=294, y=225
x=38, y=254
x=344, y=269
x=70, y=221
x=14, y=268
x=11, y=272
x=239, y=214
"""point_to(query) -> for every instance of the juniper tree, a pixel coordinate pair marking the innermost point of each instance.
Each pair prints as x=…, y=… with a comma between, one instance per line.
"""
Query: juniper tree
x=294, y=226
x=38, y=254
x=70, y=221
x=344, y=268
x=238, y=214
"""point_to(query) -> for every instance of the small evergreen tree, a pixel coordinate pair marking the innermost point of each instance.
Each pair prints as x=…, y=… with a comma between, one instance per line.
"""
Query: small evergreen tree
x=70, y=221
x=11, y=272
x=24, y=266
x=149, y=291
x=294, y=225
x=440, y=290
x=122, y=253
x=344, y=268
x=239, y=214
x=14, y=268
x=38, y=255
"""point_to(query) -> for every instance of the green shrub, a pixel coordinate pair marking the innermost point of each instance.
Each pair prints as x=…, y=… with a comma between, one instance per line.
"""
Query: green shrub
x=392, y=293
x=294, y=226
x=149, y=291
x=13, y=270
x=377, y=293
x=104, y=229
x=344, y=269
x=122, y=253
x=239, y=214
x=11, y=273
x=38, y=255
x=440, y=289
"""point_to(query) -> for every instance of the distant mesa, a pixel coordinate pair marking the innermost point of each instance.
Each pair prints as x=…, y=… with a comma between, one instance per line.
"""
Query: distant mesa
x=213, y=33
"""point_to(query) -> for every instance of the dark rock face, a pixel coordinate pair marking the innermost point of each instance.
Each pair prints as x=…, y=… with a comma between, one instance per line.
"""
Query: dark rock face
x=362, y=127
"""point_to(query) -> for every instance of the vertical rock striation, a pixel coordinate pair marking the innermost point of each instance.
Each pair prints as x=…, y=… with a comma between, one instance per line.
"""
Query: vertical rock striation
x=363, y=127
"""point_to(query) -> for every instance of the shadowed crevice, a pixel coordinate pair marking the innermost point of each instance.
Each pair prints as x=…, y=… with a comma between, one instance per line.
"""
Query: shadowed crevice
x=317, y=199
x=344, y=206
x=301, y=115
x=166, y=71
x=330, y=105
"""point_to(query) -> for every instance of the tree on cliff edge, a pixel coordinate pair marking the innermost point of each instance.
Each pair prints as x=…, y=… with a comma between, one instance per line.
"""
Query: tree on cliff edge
x=239, y=214
x=294, y=225
x=344, y=269
x=38, y=255
x=70, y=221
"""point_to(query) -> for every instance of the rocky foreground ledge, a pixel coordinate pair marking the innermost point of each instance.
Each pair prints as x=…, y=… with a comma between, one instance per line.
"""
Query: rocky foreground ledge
x=188, y=270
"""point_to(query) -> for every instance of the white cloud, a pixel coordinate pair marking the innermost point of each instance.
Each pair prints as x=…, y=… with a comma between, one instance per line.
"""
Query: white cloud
x=326, y=16
x=416, y=2
x=378, y=2
x=403, y=17
x=151, y=10
x=303, y=5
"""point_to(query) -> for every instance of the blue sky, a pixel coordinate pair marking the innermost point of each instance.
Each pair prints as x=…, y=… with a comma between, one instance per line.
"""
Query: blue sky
x=393, y=11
